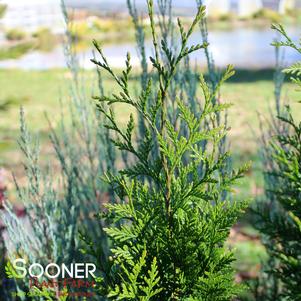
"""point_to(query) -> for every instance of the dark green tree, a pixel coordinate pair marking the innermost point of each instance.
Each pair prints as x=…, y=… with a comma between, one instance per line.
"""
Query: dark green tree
x=170, y=219
x=279, y=213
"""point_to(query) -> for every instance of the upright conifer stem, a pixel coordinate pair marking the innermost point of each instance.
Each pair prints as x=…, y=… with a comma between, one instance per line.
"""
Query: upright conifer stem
x=162, y=95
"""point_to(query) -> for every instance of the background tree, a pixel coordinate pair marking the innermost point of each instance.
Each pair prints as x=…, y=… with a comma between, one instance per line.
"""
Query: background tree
x=278, y=214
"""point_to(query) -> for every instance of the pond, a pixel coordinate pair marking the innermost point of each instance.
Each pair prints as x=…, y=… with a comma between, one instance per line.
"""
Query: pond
x=242, y=47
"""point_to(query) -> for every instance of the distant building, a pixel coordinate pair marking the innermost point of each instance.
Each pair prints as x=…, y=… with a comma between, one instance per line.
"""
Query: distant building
x=245, y=8
x=271, y=4
x=218, y=8
x=242, y=8
x=281, y=5
x=31, y=15
x=286, y=5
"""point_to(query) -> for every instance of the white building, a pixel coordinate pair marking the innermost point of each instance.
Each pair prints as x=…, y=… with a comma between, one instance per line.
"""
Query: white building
x=218, y=8
x=31, y=15
x=286, y=5
x=246, y=8
x=242, y=8
x=282, y=6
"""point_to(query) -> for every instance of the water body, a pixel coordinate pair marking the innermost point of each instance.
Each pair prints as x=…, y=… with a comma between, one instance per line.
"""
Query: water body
x=245, y=48
x=121, y=4
x=180, y=7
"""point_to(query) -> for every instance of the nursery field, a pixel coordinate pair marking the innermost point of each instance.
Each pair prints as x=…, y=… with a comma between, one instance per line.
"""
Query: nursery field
x=40, y=93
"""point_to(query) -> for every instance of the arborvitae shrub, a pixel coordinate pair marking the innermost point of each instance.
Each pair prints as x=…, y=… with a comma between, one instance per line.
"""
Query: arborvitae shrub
x=170, y=219
x=279, y=214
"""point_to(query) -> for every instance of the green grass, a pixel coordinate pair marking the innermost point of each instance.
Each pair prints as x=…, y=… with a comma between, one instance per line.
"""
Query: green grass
x=250, y=256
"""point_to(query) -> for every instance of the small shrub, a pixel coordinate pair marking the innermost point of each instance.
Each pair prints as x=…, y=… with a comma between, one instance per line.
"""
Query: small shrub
x=169, y=224
x=15, y=34
x=226, y=17
x=279, y=214
x=267, y=14
x=46, y=40
x=112, y=25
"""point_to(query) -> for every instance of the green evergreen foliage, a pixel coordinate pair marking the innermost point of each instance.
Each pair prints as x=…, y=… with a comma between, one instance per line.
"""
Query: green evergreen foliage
x=48, y=234
x=279, y=212
x=267, y=286
x=170, y=219
x=185, y=80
